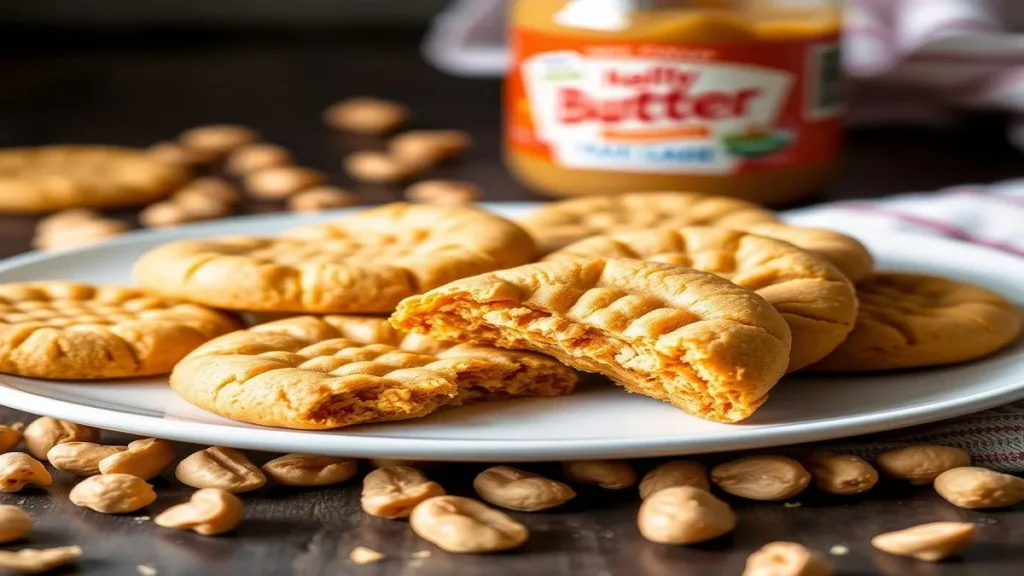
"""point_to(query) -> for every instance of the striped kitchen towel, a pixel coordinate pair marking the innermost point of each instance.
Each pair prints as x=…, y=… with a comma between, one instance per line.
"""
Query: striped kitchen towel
x=990, y=216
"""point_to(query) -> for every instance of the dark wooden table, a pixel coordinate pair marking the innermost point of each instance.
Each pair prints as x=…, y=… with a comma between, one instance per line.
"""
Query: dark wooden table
x=137, y=88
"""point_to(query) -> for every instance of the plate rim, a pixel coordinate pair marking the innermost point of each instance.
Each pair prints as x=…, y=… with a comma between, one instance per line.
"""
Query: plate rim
x=286, y=440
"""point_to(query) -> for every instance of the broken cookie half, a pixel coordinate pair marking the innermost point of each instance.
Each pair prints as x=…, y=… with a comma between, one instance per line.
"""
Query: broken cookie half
x=691, y=338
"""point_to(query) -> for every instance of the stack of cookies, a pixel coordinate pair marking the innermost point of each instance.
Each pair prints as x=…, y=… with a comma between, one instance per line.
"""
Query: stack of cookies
x=398, y=311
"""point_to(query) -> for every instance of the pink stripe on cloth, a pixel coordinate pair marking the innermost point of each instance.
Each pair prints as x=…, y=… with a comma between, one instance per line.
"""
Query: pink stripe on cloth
x=937, y=226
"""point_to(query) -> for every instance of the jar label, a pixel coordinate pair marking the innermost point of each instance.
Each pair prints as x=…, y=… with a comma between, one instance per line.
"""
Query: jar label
x=674, y=108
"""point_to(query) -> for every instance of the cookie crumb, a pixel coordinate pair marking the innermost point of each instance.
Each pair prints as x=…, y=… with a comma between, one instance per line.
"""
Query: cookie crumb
x=363, y=555
x=421, y=554
x=146, y=570
x=792, y=505
x=839, y=550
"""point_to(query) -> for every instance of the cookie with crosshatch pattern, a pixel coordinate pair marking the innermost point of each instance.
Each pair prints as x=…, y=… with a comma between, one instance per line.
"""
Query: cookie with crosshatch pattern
x=914, y=320
x=300, y=373
x=363, y=263
x=50, y=178
x=676, y=334
x=65, y=330
x=816, y=300
x=559, y=224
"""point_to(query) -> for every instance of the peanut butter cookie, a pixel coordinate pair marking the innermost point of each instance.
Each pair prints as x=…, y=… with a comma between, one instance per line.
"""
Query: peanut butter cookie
x=814, y=298
x=913, y=320
x=363, y=263
x=672, y=333
x=517, y=373
x=53, y=178
x=298, y=373
x=561, y=223
x=63, y=330
x=842, y=251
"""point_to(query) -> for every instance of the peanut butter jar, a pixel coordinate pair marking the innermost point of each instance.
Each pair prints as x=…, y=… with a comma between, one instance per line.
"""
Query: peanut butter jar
x=741, y=98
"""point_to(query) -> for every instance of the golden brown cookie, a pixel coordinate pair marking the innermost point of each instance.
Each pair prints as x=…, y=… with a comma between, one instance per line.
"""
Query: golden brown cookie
x=845, y=253
x=299, y=373
x=363, y=263
x=52, y=178
x=561, y=223
x=679, y=335
x=913, y=320
x=63, y=330
x=814, y=298
x=519, y=374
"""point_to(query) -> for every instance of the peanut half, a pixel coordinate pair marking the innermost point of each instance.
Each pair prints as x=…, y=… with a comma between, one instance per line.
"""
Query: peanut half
x=970, y=487
x=146, y=458
x=786, y=559
x=209, y=512
x=378, y=168
x=321, y=198
x=253, y=157
x=280, y=182
x=113, y=493
x=45, y=433
x=517, y=489
x=921, y=464
x=15, y=524
x=18, y=469
x=609, y=474
x=31, y=561
x=428, y=147
x=365, y=115
x=443, y=192
x=928, y=542
x=10, y=437
x=674, y=473
x=217, y=139
x=684, y=515
x=761, y=477
x=841, y=473
x=80, y=458
x=393, y=491
x=218, y=467
x=465, y=526
x=310, y=469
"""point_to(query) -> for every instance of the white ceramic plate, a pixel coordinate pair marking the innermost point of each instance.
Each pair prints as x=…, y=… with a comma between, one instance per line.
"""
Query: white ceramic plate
x=599, y=421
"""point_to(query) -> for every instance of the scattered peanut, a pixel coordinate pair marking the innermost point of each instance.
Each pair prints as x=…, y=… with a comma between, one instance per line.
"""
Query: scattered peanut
x=761, y=477
x=378, y=167
x=366, y=115
x=146, y=458
x=609, y=474
x=393, y=491
x=280, y=182
x=209, y=512
x=18, y=469
x=970, y=487
x=15, y=524
x=684, y=515
x=254, y=157
x=517, y=489
x=31, y=561
x=921, y=464
x=218, y=139
x=164, y=214
x=841, y=473
x=444, y=192
x=175, y=153
x=322, y=198
x=113, y=493
x=10, y=437
x=466, y=526
x=58, y=220
x=674, y=473
x=81, y=233
x=429, y=147
x=208, y=189
x=362, y=555
x=45, y=433
x=310, y=470
x=929, y=542
x=786, y=559
x=218, y=467
x=80, y=458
